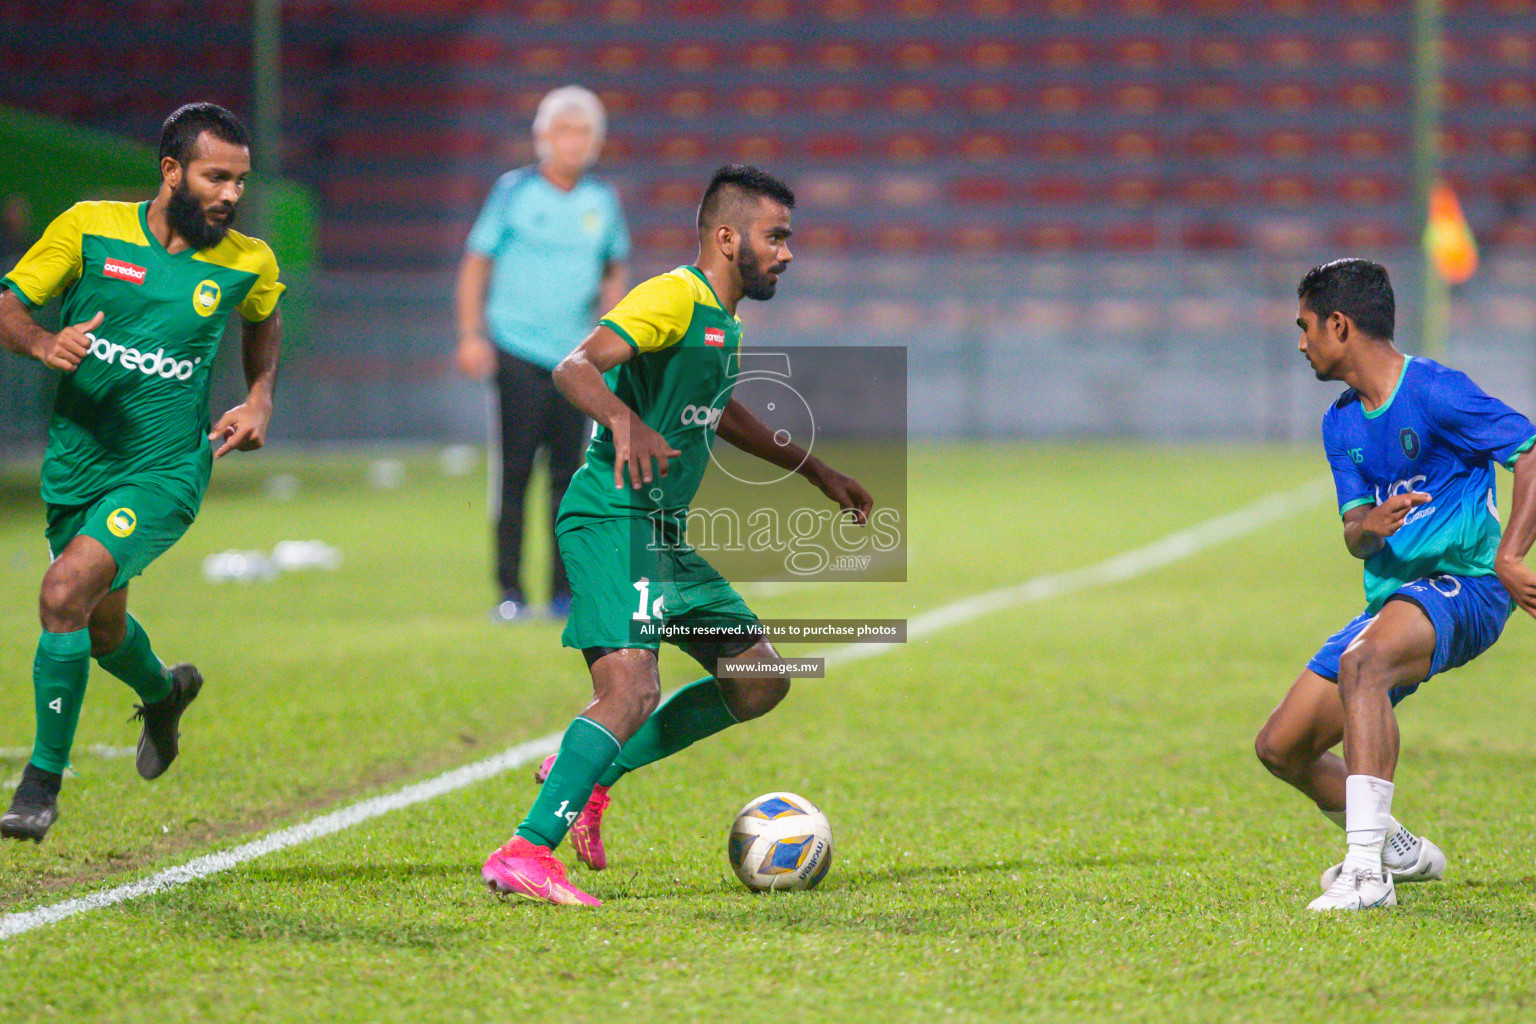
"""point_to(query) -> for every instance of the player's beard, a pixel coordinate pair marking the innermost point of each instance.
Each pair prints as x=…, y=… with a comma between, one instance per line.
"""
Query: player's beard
x=190, y=221
x=755, y=281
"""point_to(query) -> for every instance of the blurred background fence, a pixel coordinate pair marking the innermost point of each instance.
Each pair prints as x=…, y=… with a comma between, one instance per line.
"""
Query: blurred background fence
x=1081, y=218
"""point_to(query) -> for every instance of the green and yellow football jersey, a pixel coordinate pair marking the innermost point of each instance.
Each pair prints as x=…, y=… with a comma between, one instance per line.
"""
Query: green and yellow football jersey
x=136, y=408
x=679, y=382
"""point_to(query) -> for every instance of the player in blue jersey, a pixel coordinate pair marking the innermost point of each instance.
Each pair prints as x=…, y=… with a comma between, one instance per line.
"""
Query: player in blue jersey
x=1412, y=445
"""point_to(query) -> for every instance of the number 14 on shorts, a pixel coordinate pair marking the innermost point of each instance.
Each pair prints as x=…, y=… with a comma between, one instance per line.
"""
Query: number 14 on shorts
x=648, y=610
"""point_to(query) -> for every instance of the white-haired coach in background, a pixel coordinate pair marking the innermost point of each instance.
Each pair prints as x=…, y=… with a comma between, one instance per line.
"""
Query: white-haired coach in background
x=545, y=257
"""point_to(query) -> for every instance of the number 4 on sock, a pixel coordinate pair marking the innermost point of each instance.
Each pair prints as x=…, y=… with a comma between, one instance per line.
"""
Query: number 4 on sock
x=560, y=812
x=57, y=704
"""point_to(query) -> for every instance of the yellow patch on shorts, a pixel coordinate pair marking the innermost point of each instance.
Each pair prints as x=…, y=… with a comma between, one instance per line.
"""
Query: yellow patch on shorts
x=122, y=522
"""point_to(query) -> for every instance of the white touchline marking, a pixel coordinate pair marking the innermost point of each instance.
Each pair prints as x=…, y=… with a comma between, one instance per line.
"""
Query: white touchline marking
x=1173, y=548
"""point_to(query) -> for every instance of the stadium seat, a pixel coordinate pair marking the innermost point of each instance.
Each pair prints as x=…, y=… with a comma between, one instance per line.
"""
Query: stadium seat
x=1370, y=51
x=1368, y=189
x=680, y=150
x=1288, y=97
x=623, y=12
x=1355, y=235
x=989, y=147
x=1223, y=54
x=1208, y=190
x=620, y=59
x=1370, y=144
x=673, y=193
x=686, y=104
x=979, y=189
x=1059, y=146
x=1137, y=98
x=1515, y=49
x=915, y=57
x=1290, y=52
x=1513, y=94
x=764, y=57
x=1061, y=99
x=1140, y=236
x=900, y=237
x=982, y=238
x=993, y=55
x=1140, y=54
x=1061, y=191
x=763, y=101
x=1061, y=54
x=1213, y=97
x=990, y=99
x=1288, y=145
x=1513, y=142
x=908, y=191
x=910, y=147
x=1135, y=192
x=1213, y=236
x=1287, y=190
x=1211, y=144
x=911, y=100
x=1365, y=97
x=1136, y=146
x=759, y=149
x=768, y=12
x=839, y=57
x=693, y=58
x=1054, y=237
x=835, y=146
x=837, y=100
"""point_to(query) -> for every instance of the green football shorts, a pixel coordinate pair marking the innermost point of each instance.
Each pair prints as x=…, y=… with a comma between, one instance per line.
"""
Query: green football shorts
x=627, y=593
x=135, y=524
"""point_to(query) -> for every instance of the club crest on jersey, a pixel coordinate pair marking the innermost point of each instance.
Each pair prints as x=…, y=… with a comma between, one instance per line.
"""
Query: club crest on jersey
x=205, y=297
x=123, y=271
x=122, y=522
x=714, y=336
x=1410, y=442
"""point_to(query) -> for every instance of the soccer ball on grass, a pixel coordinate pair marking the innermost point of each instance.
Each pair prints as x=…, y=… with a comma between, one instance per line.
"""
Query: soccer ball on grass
x=780, y=842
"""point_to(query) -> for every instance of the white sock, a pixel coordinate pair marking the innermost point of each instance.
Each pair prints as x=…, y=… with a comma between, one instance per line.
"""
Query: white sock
x=1367, y=817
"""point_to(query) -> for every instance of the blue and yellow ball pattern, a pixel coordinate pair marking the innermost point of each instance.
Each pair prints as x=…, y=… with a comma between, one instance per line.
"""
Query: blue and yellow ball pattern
x=780, y=842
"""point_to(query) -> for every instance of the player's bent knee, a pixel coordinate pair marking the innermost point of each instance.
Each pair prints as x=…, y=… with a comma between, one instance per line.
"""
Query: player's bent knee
x=62, y=605
x=1363, y=669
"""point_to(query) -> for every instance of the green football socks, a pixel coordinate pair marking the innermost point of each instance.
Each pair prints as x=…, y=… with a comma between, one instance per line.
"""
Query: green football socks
x=134, y=662
x=585, y=751
x=59, y=672
x=694, y=712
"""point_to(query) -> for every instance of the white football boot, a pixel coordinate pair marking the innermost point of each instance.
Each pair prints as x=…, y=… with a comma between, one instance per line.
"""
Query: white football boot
x=1357, y=890
x=1413, y=859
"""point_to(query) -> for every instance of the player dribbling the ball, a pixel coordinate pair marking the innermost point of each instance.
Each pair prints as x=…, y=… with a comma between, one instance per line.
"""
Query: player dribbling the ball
x=673, y=341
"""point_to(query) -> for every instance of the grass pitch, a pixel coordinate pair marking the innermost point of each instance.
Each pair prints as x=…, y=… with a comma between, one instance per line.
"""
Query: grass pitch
x=1050, y=813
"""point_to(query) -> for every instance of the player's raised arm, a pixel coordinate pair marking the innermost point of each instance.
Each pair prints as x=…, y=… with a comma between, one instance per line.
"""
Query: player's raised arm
x=1509, y=563
x=579, y=376
x=244, y=428
x=741, y=428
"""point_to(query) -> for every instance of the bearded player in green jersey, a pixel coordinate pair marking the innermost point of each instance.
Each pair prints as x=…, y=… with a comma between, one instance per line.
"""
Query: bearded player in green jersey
x=147, y=289
x=673, y=342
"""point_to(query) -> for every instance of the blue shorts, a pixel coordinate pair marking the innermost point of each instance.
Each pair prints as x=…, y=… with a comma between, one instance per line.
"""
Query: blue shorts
x=1468, y=613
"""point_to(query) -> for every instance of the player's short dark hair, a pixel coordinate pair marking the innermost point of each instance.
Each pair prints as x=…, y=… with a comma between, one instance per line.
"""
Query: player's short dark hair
x=178, y=136
x=740, y=180
x=1357, y=288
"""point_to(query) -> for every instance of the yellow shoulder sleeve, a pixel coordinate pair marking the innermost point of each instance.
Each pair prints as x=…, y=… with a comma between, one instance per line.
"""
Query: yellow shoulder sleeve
x=655, y=314
x=261, y=300
x=52, y=264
